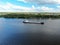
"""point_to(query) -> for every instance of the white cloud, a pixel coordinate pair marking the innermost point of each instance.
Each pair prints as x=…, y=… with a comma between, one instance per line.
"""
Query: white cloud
x=12, y=7
x=42, y=1
x=8, y=7
x=46, y=9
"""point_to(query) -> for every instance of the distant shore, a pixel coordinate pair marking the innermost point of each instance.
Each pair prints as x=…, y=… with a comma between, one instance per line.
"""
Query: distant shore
x=23, y=15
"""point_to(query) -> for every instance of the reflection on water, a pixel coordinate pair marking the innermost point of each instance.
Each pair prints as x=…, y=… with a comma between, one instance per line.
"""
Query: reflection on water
x=14, y=32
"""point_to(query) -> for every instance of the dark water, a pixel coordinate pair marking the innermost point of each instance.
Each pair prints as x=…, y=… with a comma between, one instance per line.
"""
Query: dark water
x=14, y=32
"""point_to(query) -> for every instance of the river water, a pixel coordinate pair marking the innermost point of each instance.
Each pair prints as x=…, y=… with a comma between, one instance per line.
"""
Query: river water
x=14, y=32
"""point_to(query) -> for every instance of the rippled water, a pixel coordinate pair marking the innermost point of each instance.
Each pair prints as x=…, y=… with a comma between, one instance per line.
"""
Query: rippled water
x=14, y=32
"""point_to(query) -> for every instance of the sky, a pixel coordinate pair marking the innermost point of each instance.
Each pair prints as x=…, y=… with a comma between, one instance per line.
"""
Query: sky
x=29, y=5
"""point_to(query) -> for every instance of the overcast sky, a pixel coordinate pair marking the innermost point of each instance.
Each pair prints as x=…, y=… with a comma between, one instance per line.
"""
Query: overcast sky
x=29, y=5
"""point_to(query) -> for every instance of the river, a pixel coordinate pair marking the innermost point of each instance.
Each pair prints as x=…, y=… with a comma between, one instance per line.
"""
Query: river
x=14, y=32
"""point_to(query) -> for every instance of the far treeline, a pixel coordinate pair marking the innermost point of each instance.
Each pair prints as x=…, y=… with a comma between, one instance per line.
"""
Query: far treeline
x=22, y=15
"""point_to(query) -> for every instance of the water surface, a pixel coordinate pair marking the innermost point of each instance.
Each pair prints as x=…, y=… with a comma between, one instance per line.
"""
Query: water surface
x=14, y=32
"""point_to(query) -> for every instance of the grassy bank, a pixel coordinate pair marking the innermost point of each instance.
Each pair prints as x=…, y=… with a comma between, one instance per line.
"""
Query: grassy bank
x=23, y=15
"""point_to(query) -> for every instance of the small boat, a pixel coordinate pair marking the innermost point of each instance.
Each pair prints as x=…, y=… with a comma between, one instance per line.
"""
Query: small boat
x=33, y=22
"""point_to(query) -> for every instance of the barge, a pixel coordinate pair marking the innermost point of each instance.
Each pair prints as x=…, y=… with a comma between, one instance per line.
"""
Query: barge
x=33, y=22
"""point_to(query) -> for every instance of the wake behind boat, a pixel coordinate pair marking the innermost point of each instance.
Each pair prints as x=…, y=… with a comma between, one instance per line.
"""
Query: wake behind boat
x=26, y=21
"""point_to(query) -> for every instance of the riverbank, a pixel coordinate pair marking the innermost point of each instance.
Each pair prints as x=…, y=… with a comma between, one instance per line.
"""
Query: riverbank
x=22, y=15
